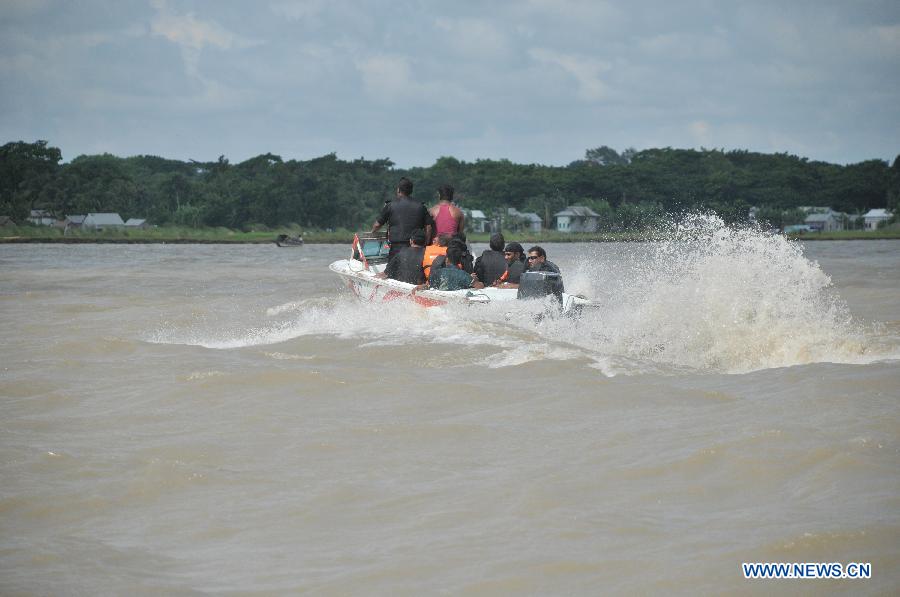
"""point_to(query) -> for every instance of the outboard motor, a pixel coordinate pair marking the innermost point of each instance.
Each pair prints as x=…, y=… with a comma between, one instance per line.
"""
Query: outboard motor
x=540, y=285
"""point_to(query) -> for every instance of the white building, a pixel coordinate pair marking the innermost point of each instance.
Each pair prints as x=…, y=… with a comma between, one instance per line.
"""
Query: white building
x=41, y=217
x=99, y=221
x=527, y=220
x=136, y=223
x=874, y=217
x=577, y=219
x=825, y=222
x=477, y=221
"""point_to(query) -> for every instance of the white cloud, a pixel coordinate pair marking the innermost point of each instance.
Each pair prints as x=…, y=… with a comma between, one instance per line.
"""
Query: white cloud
x=385, y=78
x=590, y=13
x=535, y=80
x=298, y=10
x=700, y=131
x=687, y=46
x=188, y=31
x=475, y=38
x=586, y=71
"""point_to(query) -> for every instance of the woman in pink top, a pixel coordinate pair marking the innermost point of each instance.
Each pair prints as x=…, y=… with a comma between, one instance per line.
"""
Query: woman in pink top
x=448, y=219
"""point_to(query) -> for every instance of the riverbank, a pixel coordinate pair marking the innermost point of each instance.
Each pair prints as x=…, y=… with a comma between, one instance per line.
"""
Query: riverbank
x=179, y=235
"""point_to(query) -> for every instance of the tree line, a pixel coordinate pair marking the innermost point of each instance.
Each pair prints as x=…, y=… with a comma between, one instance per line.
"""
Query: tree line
x=629, y=190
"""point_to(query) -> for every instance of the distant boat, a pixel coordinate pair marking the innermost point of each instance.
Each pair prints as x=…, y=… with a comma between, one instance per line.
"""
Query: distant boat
x=283, y=240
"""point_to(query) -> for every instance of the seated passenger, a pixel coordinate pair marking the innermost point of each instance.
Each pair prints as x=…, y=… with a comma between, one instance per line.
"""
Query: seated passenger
x=515, y=265
x=491, y=264
x=452, y=276
x=537, y=261
x=467, y=258
x=406, y=266
x=438, y=248
x=459, y=244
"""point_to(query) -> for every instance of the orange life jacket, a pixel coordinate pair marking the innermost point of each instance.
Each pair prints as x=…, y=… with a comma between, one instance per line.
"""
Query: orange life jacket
x=431, y=251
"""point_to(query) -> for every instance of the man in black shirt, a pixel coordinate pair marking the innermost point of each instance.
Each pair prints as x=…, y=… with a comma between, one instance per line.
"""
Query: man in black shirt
x=404, y=215
x=406, y=265
x=515, y=265
x=491, y=264
x=537, y=262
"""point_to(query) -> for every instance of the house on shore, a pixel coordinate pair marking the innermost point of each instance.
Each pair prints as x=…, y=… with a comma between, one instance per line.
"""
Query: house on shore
x=518, y=220
x=477, y=221
x=577, y=218
x=41, y=217
x=74, y=222
x=825, y=221
x=102, y=221
x=137, y=223
x=874, y=217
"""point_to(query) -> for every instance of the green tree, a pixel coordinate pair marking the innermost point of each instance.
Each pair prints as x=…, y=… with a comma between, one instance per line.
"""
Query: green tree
x=27, y=177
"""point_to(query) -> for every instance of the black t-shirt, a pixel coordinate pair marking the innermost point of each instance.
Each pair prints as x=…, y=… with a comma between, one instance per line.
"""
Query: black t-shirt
x=490, y=266
x=404, y=215
x=515, y=270
x=406, y=265
x=549, y=266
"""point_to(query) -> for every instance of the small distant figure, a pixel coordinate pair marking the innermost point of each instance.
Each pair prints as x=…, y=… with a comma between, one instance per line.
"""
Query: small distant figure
x=404, y=215
x=491, y=264
x=406, y=265
x=515, y=265
x=448, y=219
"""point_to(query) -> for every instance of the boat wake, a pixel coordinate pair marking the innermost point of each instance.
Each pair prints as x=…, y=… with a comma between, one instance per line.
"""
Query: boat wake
x=701, y=297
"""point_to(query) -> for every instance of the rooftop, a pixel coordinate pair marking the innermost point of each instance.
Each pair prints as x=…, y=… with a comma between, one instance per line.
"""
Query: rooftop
x=578, y=211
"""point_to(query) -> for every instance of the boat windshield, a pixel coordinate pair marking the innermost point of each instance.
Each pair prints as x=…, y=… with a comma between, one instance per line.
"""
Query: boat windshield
x=374, y=247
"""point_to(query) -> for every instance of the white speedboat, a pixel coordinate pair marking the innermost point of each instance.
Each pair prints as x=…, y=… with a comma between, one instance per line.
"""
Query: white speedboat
x=369, y=258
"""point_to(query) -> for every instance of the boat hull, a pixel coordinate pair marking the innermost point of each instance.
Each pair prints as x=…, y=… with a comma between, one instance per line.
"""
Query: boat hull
x=362, y=282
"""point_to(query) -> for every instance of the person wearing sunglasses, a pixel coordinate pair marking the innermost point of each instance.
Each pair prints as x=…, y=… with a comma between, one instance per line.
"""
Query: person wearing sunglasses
x=537, y=261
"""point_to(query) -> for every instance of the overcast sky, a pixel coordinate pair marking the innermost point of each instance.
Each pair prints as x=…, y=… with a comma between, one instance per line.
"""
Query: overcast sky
x=534, y=81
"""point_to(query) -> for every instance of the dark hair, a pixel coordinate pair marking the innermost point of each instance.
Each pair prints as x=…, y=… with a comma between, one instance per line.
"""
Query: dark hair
x=405, y=186
x=445, y=192
x=497, y=242
x=418, y=237
x=454, y=256
x=460, y=235
x=514, y=248
x=536, y=249
x=458, y=245
x=443, y=239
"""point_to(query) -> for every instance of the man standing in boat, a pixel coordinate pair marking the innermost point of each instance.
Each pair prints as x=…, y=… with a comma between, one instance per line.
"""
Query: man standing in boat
x=403, y=216
x=448, y=219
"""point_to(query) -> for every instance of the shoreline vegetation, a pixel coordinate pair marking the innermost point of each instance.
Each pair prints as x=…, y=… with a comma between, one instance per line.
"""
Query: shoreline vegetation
x=186, y=235
x=632, y=195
